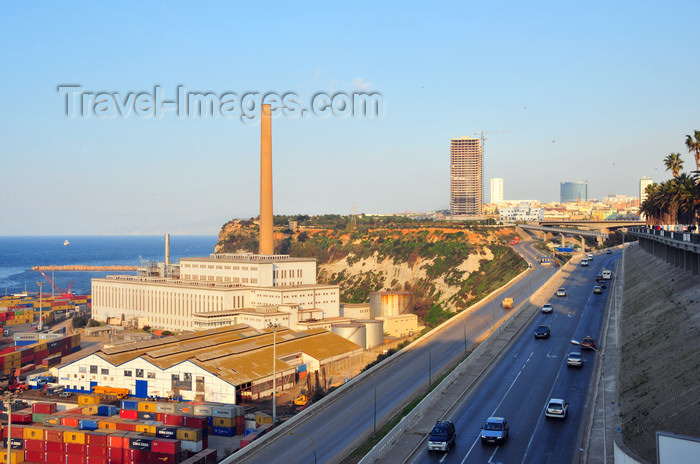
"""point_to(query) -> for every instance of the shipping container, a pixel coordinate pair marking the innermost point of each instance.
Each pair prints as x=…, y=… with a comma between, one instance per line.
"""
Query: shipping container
x=140, y=443
x=196, y=422
x=44, y=408
x=130, y=405
x=166, y=446
x=90, y=410
x=74, y=437
x=145, y=416
x=189, y=434
x=223, y=431
x=107, y=410
x=55, y=447
x=146, y=406
x=33, y=433
x=168, y=408
x=194, y=446
x=16, y=456
x=53, y=435
x=34, y=456
x=223, y=422
x=174, y=419
x=128, y=414
x=166, y=431
x=87, y=424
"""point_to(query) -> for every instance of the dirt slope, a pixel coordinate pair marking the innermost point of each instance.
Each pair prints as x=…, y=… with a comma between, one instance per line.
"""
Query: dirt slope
x=660, y=367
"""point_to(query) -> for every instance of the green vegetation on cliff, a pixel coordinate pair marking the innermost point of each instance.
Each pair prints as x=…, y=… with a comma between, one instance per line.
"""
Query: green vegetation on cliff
x=447, y=266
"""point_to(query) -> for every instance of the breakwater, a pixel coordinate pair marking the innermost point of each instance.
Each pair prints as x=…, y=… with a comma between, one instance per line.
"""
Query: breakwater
x=81, y=267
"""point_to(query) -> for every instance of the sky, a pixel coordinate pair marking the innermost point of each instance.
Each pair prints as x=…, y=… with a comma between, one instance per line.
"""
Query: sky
x=592, y=91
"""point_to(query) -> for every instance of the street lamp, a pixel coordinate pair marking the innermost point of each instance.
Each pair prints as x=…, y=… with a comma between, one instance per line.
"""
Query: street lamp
x=605, y=419
x=7, y=400
x=274, y=327
x=41, y=308
x=313, y=443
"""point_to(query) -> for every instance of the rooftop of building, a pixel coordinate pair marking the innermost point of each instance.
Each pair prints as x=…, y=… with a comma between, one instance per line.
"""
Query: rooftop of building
x=237, y=354
x=248, y=258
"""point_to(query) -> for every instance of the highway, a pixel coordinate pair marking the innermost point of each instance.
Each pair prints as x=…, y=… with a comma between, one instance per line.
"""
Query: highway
x=531, y=372
x=332, y=430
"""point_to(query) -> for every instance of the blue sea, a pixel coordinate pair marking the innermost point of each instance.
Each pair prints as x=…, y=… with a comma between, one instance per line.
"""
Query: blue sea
x=19, y=254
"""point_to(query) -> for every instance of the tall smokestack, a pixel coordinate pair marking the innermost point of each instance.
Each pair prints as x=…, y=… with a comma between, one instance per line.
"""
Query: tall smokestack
x=266, y=244
x=167, y=251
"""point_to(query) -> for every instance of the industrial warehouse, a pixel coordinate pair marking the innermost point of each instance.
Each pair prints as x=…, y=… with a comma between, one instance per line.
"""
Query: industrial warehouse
x=222, y=365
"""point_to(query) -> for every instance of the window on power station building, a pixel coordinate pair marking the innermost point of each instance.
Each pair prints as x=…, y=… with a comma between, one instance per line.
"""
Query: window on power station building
x=139, y=373
x=93, y=369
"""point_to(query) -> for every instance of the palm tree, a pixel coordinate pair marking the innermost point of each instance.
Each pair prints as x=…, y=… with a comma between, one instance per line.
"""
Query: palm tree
x=674, y=163
x=694, y=148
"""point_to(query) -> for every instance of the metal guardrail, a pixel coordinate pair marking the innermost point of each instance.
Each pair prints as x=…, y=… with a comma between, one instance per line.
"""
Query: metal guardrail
x=564, y=230
x=679, y=236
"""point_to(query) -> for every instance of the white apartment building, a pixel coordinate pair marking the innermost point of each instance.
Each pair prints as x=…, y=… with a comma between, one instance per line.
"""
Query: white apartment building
x=522, y=213
x=496, y=190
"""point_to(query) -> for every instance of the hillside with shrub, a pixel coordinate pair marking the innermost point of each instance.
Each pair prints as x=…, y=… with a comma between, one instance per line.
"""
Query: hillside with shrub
x=447, y=266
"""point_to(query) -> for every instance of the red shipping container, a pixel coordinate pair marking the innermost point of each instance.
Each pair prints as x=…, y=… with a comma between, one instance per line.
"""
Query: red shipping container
x=40, y=355
x=127, y=426
x=27, y=358
x=159, y=416
x=17, y=431
x=172, y=419
x=53, y=435
x=97, y=450
x=196, y=422
x=115, y=441
x=70, y=421
x=97, y=460
x=205, y=442
x=75, y=448
x=166, y=446
x=55, y=447
x=44, y=408
x=21, y=417
x=55, y=458
x=128, y=414
x=96, y=439
x=137, y=456
x=165, y=458
x=34, y=456
x=35, y=445
x=76, y=458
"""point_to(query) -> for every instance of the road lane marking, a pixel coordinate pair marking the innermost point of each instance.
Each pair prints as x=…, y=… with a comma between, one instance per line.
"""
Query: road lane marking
x=444, y=456
x=492, y=413
x=492, y=455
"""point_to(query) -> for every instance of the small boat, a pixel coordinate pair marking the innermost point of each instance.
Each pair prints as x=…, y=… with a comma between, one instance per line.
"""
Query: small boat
x=66, y=243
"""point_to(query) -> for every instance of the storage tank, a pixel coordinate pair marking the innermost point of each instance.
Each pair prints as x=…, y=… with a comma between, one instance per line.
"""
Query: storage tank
x=356, y=333
x=374, y=330
x=388, y=303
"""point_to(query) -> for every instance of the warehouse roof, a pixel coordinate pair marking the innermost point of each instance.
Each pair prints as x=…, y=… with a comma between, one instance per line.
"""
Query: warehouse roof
x=238, y=354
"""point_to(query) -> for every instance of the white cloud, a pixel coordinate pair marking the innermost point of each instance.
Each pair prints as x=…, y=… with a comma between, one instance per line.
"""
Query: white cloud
x=361, y=83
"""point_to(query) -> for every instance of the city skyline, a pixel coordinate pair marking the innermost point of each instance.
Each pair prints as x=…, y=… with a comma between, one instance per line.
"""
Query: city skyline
x=117, y=165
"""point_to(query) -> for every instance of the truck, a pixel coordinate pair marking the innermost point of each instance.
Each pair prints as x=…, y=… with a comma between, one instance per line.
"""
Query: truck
x=507, y=303
x=104, y=392
x=607, y=274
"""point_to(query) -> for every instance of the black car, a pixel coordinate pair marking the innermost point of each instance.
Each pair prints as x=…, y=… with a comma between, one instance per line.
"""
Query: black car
x=442, y=437
x=542, y=332
x=599, y=277
x=602, y=284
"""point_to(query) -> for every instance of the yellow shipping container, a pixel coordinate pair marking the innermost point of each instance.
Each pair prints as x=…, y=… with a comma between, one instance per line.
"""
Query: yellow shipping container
x=52, y=421
x=224, y=422
x=262, y=418
x=146, y=406
x=84, y=400
x=74, y=437
x=40, y=346
x=186, y=434
x=90, y=410
x=33, y=433
x=16, y=456
x=107, y=425
x=146, y=429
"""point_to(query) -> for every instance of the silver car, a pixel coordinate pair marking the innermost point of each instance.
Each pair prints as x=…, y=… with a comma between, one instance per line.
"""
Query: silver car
x=495, y=430
x=547, y=308
x=575, y=359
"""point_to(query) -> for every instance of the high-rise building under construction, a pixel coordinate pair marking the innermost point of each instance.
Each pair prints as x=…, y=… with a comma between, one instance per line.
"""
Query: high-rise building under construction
x=466, y=160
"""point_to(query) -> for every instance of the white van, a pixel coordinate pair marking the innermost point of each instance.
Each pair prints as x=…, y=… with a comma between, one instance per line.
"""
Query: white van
x=607, y=274
x=590, y=256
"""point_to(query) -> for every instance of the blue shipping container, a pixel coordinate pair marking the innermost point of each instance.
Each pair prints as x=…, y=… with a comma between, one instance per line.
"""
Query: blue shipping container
x=106, y=410
x=223, y=431
x=87, y=424
x=130, y=405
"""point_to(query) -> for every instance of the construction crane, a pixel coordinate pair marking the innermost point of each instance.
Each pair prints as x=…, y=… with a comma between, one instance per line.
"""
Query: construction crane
x=64, y=294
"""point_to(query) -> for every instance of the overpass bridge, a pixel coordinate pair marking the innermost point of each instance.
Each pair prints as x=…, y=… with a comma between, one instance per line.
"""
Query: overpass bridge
x=602, y=226
x=563, y=231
